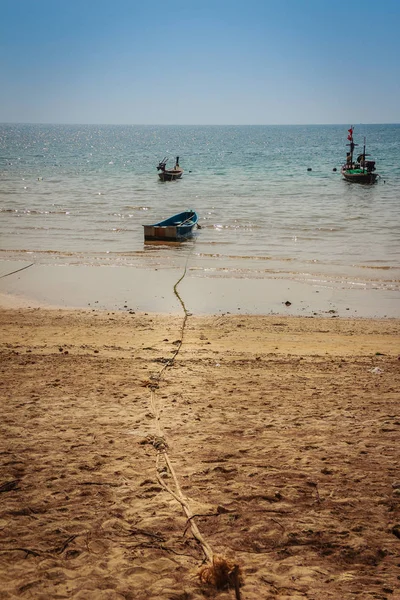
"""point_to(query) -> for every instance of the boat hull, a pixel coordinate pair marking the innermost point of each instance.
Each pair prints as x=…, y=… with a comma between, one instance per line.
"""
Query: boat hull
x=170, y=175
x=359, y=176
x=175, y=229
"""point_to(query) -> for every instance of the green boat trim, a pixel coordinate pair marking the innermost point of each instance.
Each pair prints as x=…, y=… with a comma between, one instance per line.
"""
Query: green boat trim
x=356, y=171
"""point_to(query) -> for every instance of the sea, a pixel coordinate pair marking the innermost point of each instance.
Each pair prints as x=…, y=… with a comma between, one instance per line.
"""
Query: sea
x=271, y=200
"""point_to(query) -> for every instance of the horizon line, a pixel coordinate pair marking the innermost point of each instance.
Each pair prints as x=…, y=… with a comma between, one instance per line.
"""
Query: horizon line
x=196, y=124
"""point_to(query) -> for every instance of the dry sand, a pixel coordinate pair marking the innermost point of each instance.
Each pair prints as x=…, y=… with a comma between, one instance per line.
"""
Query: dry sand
x=283, y=433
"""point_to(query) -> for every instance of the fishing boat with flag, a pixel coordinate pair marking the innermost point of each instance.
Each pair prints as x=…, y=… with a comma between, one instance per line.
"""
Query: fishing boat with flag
x=361, y=170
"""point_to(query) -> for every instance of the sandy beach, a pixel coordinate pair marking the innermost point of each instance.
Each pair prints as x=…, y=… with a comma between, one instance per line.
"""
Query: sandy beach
x=212, y=411
x=282, y=433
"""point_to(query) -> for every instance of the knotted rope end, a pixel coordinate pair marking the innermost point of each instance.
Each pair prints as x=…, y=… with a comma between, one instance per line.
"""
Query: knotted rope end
x=222, y=573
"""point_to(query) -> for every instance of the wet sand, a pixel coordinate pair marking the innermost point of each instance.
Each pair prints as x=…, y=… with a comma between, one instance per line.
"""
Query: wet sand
x=152, y=290
x=282, y=431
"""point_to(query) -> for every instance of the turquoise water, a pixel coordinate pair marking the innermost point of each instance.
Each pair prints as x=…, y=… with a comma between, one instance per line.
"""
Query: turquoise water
x=80, y=195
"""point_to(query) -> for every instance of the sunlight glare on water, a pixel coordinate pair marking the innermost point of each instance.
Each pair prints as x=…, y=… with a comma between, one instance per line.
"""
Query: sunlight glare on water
x=81, y=194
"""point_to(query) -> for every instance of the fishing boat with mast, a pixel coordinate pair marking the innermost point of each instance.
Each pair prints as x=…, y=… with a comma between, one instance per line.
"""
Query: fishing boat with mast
x=169, y=174
x=361, y=170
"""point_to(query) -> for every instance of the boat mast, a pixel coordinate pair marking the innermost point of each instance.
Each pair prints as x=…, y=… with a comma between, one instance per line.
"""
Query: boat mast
x=351, y=144
x=364, y=155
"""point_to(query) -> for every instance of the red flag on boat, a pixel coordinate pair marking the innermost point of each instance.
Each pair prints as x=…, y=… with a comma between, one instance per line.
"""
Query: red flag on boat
x=350, y=136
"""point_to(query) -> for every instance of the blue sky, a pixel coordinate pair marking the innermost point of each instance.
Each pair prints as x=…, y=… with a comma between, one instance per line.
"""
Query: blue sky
x=200, y=62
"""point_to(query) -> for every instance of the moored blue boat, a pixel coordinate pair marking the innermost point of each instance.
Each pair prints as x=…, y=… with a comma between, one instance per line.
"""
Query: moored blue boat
x=175, y=229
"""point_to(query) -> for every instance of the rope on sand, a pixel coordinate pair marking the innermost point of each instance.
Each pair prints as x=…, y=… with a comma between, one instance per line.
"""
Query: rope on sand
x=218, y=571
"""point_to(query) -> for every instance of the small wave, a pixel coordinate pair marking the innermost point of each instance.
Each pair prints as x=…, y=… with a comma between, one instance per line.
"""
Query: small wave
x=304, y=229
x=232, y=226
x=39, y=252
x=243, y=257
x=136, y=208
x=33, y=211
x=378, y=267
